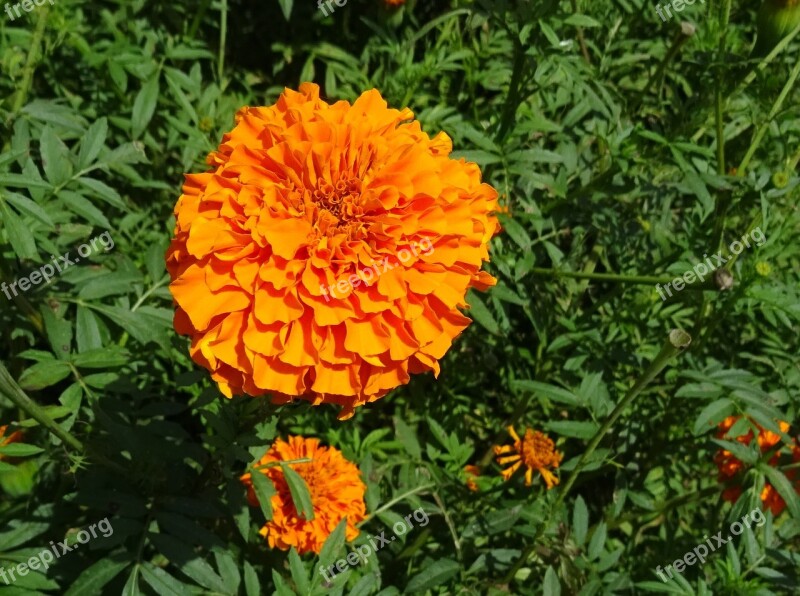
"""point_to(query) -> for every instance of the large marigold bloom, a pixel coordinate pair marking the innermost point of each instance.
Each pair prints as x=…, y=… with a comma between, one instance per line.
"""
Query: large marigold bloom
x=14, y=437
x=336, y=488
x=730, y=467
x=327, y=253
x=536, y=451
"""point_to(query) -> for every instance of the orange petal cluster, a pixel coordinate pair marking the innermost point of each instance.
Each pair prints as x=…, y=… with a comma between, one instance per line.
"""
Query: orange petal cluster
x=334, y=483
x=394, y=2
x=730, y=467
x=271, y=250
x=536, y=451
x=472, y=473
x=14, y=437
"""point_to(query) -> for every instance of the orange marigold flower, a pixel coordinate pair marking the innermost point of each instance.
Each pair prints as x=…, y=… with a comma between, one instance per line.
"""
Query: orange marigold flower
x=730, y=466
x=14, y=437
x=327, y=253
x=536, y=451
x=336, y=489
x=394, y=2
x=472, y=473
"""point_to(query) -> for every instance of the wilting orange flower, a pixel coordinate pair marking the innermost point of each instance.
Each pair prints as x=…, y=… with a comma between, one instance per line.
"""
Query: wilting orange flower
x=272, y=249
x=14, y=437
x=472, y=473
x=730, y=467
x=336, y=488
x=536, y=451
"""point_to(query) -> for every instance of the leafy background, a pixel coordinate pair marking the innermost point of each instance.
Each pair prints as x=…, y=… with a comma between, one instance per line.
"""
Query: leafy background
x=597, y=124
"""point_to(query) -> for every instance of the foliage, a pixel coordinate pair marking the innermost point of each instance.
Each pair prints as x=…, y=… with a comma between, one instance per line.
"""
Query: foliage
x=599, y=125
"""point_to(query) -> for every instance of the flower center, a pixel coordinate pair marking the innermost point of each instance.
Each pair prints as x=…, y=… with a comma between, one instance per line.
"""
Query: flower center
x=537, y=450
x=338, y=207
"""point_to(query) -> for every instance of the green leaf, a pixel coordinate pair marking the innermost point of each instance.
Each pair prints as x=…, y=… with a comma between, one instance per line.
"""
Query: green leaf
x=19, y=450
x=92, y=143
x=556, y=394
x=597, y=542
x=93, y=579
x=132, y=585
x=408, y=438
x=111, y=356
x=286, y=7
x=713, y=412
x=19, y=236
x=44, y=374
x=188, y=561
x=784, y=487
x=569, y=428
x=162, y=582
x=298, y=488
x=264, y=490
x=87, y=330
x=580, y=521
x=552, y=586
x=433, y=575
x=334, y=545
x=56, y=157
x=252, y=586
x=83, y=207
x=145, y=105
x=481, y=314
x=299, y=575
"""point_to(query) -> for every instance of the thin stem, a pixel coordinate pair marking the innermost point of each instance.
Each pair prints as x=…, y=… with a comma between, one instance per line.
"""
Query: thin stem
x=397, y=499
x=223, y=34
x=616, y=277
x=10, y=389
x=30, y=63
x=772, y=113
x=512, y=101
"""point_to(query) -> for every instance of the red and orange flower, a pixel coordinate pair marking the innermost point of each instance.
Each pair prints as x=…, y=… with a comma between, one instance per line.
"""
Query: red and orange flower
x=731, y=467
x=336, y=489
x=272, y=246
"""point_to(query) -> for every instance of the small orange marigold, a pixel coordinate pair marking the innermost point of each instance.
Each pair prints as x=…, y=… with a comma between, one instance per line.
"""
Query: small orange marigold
x=272, y=248
x=336, y=488
x=730, y=467
x=536, y=451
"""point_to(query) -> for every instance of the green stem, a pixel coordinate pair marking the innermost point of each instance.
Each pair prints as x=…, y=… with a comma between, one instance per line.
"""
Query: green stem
x=397, y=499
x=223, y=35
x=30, y=63
x=625, y=279
x=10, y=389
x=677, y=341
x=772, y=113
x=719, y=100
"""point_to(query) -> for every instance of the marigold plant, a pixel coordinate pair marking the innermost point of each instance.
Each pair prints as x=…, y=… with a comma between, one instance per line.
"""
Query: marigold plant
x=336, y=488
x=730, y=467
x=272, y=248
